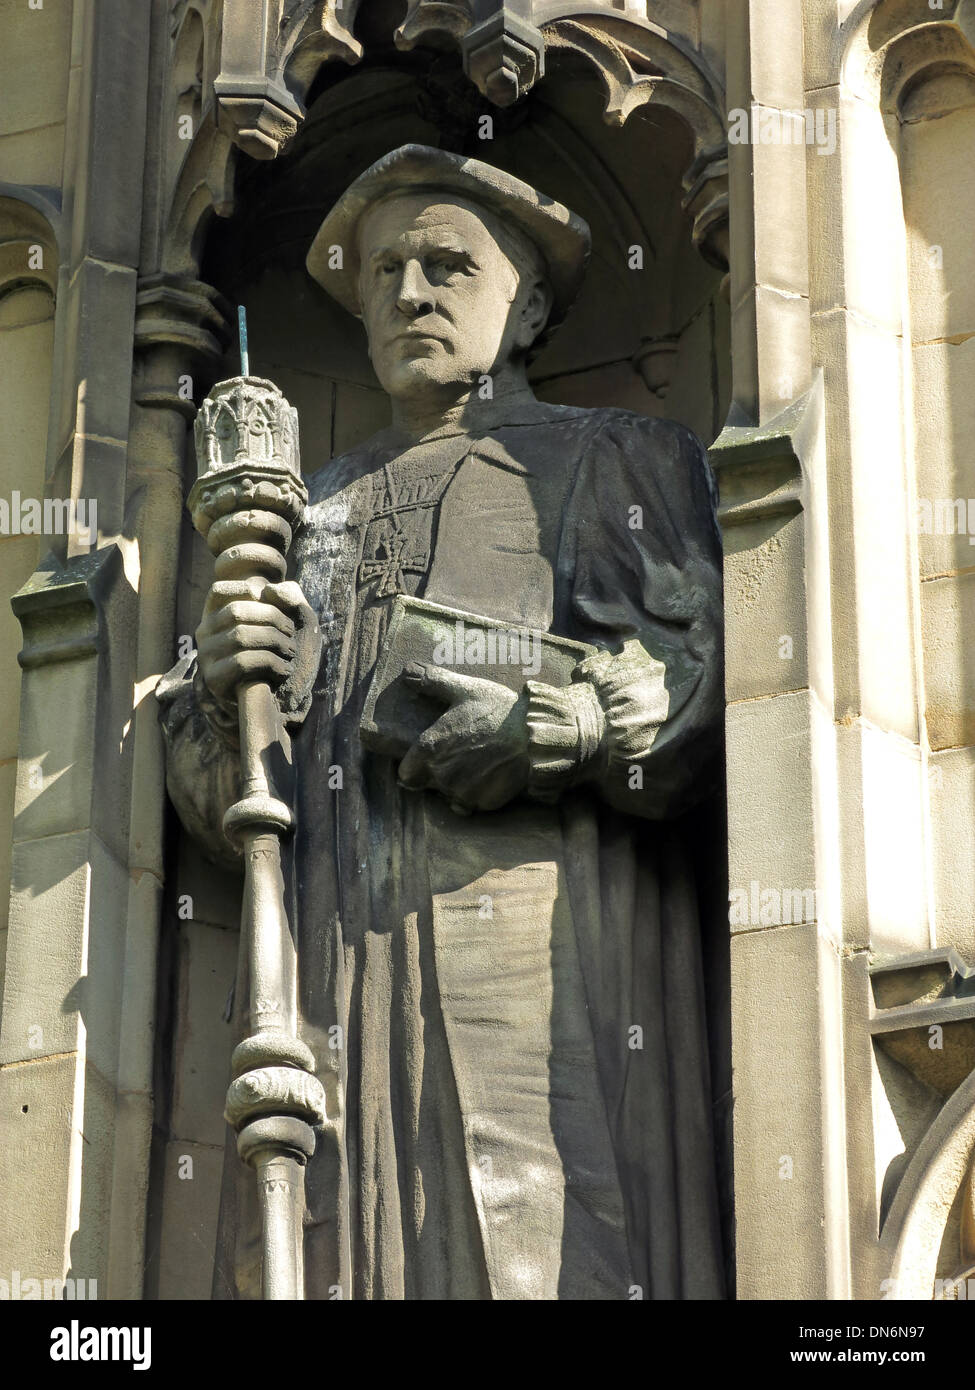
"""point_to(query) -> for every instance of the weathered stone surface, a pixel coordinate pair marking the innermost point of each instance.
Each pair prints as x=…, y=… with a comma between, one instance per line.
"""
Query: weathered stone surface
x=25, y=362
x=766, y=603
x=769, y=810
x=947, y=612
x=65, y=986
x=940, y=198
x=109, y=149
x=101, y=351
x=59, y=1112
x=206, y=972
x=34, y=157
x=18, y=557
x=190, y=1201
x=37, y=43
x=951, y=797
x=779, y=1149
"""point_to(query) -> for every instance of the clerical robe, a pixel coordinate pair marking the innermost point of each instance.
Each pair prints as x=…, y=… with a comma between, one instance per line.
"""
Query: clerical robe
x=506, y=1008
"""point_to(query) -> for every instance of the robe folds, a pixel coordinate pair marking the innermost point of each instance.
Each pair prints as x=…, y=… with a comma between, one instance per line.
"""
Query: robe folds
x=506, y=1008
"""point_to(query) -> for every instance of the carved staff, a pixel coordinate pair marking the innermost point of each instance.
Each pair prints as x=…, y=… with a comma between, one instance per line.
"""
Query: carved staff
x=247, y=501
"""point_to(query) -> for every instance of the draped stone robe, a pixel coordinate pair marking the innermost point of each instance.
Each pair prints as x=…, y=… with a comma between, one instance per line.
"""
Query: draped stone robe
x=506, y=1008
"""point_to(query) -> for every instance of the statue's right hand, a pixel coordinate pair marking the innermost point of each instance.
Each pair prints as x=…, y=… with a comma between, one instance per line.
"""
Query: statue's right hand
x=253, y=630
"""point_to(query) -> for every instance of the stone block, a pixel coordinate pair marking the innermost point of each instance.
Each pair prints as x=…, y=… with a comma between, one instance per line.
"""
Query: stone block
x=781, y=249
x=55, y=1169
x=758, y=69
x=46, y=950
x=99, y=317
x=204, y=1039
x=825, y=35
x=770, y=827
x=713, y=32
x=130, y=1192
x=855, y=188
x=939, y=206
x=89, y=469
x=770, y=350
x=215, y=892
x=57, y=750
x=944, y=426
x=139, y=983
x=190, y=1204
x=947, y=617
x=65, y=951
x=874, y=669
x=37, y=45
x=33, y=157
x=78, y=705
x=111, y=137
x=779, y=1141
x=951, y=798
x=888, y=797
x=765, y=617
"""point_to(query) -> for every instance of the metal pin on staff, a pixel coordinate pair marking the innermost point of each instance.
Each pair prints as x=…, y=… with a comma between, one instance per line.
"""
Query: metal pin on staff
x=245, y=366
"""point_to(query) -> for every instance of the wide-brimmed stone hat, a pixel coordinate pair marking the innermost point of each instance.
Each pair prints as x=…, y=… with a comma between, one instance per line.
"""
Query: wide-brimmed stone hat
x=561, y=237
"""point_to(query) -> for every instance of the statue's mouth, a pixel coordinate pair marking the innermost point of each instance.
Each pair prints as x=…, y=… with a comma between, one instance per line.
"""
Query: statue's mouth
x=413, y=336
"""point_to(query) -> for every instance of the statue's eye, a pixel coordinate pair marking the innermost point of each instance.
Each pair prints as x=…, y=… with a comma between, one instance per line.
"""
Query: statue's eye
x=444, y=265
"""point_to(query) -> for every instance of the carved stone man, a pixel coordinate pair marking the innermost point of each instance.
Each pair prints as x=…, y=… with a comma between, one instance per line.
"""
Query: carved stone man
x=497, y=932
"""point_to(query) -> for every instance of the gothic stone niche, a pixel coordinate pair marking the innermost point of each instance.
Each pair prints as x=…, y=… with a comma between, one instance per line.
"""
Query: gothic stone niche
x=497, y=949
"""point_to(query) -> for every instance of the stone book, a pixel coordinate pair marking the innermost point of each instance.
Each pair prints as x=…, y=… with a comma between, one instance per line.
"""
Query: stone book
x=396, y=714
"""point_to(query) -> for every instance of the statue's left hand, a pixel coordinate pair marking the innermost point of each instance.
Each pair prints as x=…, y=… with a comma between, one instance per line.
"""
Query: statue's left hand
x=475, y=754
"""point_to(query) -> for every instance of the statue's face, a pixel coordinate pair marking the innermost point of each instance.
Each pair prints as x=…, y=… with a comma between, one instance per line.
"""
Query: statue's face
x=442, y=303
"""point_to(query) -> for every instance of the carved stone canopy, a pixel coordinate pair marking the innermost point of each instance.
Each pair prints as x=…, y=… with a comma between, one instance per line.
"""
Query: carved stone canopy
x=246, y=72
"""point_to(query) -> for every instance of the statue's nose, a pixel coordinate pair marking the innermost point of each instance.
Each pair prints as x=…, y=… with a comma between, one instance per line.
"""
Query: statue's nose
x=415, y=295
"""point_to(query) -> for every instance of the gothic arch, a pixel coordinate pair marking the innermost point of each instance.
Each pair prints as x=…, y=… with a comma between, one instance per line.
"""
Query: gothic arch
x=929, y=1190
x=28, y=248
x=246, y=85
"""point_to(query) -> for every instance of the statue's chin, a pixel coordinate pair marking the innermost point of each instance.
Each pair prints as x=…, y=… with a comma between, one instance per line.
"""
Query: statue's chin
x=417, y=374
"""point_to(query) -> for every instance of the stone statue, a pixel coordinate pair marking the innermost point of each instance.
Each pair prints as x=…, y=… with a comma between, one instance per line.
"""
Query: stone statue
x=498, y=943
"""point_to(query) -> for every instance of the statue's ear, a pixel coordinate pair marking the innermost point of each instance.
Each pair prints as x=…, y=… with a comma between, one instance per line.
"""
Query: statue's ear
x=536, y=306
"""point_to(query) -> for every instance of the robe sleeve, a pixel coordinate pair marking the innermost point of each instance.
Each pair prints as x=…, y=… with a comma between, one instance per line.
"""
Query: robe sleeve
x=202, y=759
x=642, y=721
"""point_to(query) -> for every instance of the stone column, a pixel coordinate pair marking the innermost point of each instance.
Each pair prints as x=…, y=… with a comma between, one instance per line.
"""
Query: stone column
x=786, y=1020
x=181, y=331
